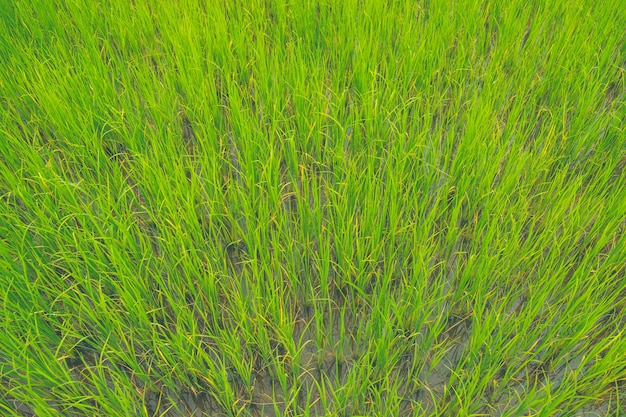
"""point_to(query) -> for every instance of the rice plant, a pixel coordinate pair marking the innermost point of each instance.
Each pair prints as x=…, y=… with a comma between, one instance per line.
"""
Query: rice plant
x=324, y=208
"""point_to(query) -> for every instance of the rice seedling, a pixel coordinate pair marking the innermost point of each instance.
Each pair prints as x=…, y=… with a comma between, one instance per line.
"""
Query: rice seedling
x=403, y=208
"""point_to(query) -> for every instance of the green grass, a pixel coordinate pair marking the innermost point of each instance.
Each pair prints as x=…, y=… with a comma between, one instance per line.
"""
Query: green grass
x=342, y=208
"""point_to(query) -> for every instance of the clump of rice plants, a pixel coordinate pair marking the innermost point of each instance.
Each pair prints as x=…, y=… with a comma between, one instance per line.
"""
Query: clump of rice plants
x=324, y=208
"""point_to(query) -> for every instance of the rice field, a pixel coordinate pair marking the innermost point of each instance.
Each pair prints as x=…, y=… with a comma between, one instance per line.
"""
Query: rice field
x=318, y=208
